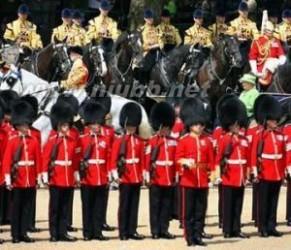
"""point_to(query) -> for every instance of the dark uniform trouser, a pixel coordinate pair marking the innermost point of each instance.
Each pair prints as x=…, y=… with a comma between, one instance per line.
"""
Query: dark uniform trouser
x=128, y=208
x=59, y=206
x=220, y=202
x=160, y=208
x=21, y=202
x=92, y=209
x=268, y=194
x=232, y=208
x=255, y=202
x=288, y=201
x=7, y=206
x=194, y=203
x=70, y=210
x=31, y=223
x=2, y=189
x=105, y=203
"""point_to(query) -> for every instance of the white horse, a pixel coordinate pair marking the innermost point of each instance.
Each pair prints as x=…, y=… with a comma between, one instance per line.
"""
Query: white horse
x=28, y=83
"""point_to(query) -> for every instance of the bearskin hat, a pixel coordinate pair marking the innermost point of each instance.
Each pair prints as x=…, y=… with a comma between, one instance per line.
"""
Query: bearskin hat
x=130, y=115
x=105, y=101
x=8, y=96
x=21, y=113
x=33, y=102
x=93, y=113
x=71, y=100
x=162, y=115
x=61, y=113
x=267, y=108
x=194, y=111
x=230, y=111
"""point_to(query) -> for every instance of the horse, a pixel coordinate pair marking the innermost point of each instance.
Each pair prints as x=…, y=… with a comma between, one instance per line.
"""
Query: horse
x=176, y=68
x=214, y=76
x=281, y=80
x=118, y=70
x=47, y=94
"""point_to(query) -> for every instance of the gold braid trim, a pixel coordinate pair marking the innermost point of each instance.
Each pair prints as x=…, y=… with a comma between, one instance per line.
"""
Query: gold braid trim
x=264, y=51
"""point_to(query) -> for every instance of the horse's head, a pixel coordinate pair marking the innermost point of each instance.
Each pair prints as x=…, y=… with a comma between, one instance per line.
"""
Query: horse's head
x=61, y=56
x=134, y=41
x=10, y=53
x=96, y=56
x=231, y=52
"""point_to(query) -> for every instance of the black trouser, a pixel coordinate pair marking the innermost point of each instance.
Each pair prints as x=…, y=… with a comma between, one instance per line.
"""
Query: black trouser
x=220, y=202
x=128, y=208
x=21, y=202
x=255, y=202
x=70, y=210
x=32, y=210
x=194, y=203
x=232, y=208
x=2, y=189
x=175, y=203
x=105, y=203
x=92, y=209
x=288, y=201
x=7, y=206
x=160, y=208
x=268, y=194
x=58, y=211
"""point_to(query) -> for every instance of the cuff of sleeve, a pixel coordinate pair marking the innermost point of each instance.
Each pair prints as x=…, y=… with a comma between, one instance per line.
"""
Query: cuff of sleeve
x=8, y=179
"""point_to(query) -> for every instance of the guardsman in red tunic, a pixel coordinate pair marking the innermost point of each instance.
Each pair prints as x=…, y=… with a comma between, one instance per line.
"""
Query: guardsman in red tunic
x=74, y=104
x=6, y=99
x=94, y=170
x=232, y=163
x=3, y=142
x=127, y=166
x=265, y=55
x=287, y=137
x=268, y=163
x=35, y=133
x=194, y=159
x=161, y=169
x=22, y=169
x=60, y=170
x=108, y=131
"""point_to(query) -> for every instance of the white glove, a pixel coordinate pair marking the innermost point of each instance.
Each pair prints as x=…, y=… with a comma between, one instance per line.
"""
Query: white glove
x=77, y=176
x=45, y=178
x=114, y=175
x=146, y=176
x=289, y=170
x=8, y=180
x=255, y=172
x=253, y=65
x=218, y=181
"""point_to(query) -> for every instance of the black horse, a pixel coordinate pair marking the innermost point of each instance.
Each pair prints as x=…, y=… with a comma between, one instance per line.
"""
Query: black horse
x=115, y=70
x=214, y=77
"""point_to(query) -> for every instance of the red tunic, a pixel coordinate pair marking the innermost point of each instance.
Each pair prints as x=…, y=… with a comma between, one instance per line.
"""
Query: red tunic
x=199, y=150
x=134, y=158
x=99, y=160
x=287, y=137
x=259, y=53
x=177, y=129
x=165, y=170
x=234, y=173
x=66, y=162
x=3, y=143
x=273, y=155
x=29, y=165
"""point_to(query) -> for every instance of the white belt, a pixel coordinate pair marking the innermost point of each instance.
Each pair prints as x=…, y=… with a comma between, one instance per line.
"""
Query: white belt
x=272, y=156
x=63, y=163
x=96, y=161
x=164, y=163
x=132, y=161
x=236, y=162
x=25, y=163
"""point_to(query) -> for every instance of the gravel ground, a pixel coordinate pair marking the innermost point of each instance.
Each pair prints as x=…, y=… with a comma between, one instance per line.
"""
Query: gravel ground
x=218, y=242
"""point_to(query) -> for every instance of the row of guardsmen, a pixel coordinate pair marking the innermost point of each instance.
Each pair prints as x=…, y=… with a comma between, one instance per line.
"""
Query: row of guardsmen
x=165, y=36
x=95, y=156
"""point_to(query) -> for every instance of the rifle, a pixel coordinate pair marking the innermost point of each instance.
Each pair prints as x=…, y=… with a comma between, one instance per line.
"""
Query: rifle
x=53, y=157
x=16, y=159
x=260, y=149
x=84, y=162
x=226, y=154
x=154, y=157
x=121, y=157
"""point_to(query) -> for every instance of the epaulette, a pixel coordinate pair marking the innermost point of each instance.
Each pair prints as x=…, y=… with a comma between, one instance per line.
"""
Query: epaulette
x=53, y=137
x=11, y=137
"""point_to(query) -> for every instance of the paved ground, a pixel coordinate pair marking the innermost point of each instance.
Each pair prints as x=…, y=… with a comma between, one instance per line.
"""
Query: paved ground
x=218, y=242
